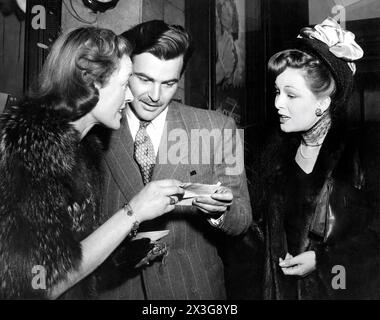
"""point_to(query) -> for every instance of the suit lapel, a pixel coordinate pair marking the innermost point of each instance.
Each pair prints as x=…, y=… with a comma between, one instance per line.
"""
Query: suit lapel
x=164, y=168
x=126, y=173
x=122, y=165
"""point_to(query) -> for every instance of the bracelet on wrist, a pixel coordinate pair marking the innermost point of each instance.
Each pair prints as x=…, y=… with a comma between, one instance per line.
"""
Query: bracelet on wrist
x=129, y=211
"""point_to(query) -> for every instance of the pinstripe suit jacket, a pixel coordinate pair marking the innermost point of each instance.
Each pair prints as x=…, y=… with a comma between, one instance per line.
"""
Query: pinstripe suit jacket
x=193, y=268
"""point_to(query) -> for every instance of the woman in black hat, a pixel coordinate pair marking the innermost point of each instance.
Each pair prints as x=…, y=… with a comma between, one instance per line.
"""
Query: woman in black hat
x=320, y=179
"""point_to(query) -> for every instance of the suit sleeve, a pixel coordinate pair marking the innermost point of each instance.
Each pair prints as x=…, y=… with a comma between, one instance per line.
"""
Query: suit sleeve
x=231, y=173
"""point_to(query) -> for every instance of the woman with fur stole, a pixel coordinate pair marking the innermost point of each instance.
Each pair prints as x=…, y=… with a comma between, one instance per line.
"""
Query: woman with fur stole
x=51, y=236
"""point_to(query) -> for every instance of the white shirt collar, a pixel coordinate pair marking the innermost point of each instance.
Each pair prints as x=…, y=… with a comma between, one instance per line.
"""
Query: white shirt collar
x=154, y=129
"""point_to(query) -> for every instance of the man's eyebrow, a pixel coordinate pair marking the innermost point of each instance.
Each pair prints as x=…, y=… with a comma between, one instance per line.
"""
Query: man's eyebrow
x=142, y=74
x=175, y=80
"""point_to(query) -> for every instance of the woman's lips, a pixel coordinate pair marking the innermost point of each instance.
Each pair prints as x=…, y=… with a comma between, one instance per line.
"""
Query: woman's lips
x=283, y=118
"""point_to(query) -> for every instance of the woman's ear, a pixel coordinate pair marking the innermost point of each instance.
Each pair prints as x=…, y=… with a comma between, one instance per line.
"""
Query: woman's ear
x=324, y=104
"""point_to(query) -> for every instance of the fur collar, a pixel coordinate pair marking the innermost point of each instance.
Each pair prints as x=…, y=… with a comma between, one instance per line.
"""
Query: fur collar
x=282, y=149
x=40, y=138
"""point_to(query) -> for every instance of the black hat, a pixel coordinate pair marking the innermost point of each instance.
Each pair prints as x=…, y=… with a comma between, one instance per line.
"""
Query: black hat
x=338, y=67
x=337, y=49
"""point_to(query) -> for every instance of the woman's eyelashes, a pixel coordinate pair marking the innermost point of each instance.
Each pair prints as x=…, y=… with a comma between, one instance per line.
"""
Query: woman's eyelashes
x=289, y=94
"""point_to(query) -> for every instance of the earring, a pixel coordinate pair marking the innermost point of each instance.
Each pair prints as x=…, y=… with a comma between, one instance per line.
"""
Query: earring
x=318, y=112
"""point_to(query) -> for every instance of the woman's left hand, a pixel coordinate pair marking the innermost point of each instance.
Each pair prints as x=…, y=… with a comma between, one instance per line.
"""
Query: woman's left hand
x=301, y=265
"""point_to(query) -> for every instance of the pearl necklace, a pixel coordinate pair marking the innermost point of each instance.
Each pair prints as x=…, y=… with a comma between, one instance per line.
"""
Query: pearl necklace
x=307, y=163
x=312, y=140
x=313, y=148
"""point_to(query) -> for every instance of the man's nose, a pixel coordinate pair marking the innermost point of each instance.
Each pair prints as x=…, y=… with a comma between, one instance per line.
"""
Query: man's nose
x=128, y=95
x=155, y=91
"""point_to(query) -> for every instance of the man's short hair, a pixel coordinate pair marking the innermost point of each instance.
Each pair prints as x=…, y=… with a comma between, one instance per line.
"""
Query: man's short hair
x=161, y=40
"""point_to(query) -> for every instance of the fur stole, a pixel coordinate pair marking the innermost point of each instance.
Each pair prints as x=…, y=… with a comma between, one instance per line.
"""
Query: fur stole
x=48, y=198
x=352, y=157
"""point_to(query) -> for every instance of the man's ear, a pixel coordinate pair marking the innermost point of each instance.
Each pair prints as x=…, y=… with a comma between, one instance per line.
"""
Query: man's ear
x=325, y=103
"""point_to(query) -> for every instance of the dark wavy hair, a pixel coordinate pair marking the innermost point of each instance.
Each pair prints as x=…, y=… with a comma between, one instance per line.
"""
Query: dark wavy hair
x=318, y=77
x=78, y=60
x=161, y=40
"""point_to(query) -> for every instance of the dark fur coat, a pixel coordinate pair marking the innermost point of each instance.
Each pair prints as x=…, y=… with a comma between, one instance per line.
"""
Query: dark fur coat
x=343, y=228
x=49, y=191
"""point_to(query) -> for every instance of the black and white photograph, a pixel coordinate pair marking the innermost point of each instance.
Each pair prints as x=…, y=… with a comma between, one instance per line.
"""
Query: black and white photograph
x=190, y=156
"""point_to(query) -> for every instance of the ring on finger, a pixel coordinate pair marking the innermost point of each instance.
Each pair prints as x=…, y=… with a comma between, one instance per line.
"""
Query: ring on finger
x=172, y=200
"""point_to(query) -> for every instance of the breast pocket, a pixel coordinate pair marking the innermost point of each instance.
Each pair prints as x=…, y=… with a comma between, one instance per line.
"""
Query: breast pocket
x=200, y=174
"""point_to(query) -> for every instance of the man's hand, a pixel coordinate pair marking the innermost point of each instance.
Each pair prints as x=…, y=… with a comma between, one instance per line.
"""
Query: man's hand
x=217, y=204
x=301, y=265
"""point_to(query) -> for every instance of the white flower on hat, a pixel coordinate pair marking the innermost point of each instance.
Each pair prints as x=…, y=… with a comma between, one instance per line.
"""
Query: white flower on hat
x=341, y=42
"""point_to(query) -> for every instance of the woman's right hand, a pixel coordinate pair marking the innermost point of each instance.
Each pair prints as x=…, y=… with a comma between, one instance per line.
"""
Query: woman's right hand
x=300, y=265
x=154, y=199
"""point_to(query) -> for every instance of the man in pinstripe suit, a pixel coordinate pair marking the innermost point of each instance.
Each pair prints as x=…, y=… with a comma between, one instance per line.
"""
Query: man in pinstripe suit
x=192, y=269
